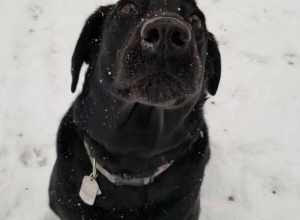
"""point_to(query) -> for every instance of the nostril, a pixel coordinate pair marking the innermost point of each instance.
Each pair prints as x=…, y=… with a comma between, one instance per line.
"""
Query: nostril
x=152, y=36
x=160, y=34
x=178, y=39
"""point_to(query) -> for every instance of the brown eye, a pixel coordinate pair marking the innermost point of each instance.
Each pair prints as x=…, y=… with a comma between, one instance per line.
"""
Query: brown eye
x=129, y=9
x=195, y=21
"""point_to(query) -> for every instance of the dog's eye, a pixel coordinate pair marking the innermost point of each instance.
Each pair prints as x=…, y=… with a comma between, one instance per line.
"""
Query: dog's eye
x=195, y=21
x=129, y=9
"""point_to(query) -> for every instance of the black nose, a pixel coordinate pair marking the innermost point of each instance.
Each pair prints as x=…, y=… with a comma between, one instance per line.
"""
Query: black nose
x=165, y=32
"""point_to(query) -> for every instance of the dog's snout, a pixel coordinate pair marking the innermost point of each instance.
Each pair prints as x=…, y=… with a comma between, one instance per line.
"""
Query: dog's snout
x=165, y=32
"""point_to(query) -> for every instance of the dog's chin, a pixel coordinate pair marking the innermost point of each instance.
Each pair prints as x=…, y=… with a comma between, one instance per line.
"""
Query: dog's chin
x=166, y=102
x=161, y=94
x=174, y=103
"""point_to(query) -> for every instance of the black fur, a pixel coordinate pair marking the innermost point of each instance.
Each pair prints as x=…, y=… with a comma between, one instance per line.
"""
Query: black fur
x=138, y=107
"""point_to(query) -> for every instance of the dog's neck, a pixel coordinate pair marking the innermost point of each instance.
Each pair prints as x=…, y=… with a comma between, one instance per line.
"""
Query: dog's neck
x=136, y=128
x=124, y=180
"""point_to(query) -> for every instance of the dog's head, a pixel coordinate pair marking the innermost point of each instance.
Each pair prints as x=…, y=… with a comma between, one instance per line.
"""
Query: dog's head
x=154, y=52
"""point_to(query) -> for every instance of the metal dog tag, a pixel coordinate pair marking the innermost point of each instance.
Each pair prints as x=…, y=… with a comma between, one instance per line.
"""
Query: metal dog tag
x=89, y=190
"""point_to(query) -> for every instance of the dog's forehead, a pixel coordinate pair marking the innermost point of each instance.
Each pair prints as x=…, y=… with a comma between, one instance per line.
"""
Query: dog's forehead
x=164, y=4
x=168, y=3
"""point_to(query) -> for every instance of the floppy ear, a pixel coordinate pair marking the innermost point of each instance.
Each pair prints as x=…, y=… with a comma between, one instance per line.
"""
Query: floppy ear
x=213, y=65
x=88, y=43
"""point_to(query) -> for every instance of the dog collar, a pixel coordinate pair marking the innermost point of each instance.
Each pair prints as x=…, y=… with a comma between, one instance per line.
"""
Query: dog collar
x=124, y=180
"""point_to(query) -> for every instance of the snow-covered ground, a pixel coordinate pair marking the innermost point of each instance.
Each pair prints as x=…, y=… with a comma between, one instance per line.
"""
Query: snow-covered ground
x=254, y=121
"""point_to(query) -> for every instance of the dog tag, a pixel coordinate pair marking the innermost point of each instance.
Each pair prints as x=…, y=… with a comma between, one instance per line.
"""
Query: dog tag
x=89, y=190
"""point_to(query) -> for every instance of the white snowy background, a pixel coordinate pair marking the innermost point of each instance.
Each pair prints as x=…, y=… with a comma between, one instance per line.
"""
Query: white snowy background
x=254, y=121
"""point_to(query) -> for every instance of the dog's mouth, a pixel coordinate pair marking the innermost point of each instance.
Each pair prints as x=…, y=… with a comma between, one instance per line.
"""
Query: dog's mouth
x=160, y=89
x=131, y=171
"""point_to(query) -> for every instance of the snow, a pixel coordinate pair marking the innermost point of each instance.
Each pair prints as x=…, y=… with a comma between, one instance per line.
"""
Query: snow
x=254, y=120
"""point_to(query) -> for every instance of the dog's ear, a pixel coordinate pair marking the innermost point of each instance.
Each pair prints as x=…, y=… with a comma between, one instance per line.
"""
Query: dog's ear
x=213, y=65
x=88, y=43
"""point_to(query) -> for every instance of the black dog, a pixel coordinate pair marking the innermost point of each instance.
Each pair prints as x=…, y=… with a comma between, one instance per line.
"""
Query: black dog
x=139, y=119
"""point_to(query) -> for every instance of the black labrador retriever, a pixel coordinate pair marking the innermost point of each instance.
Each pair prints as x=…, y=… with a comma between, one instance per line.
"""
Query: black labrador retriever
x=134, y=144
